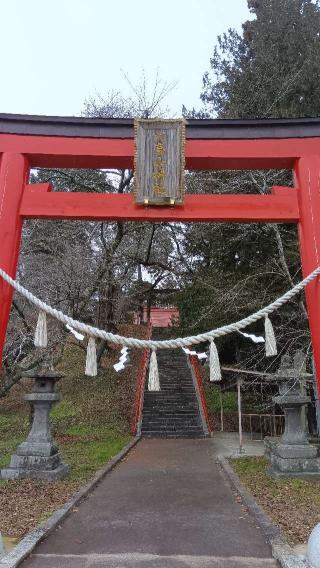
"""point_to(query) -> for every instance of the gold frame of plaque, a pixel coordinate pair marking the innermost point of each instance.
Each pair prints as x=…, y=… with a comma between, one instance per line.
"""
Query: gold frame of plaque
x=159, y=161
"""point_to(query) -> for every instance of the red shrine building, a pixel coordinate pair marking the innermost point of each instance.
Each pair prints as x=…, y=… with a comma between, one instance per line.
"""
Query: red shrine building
x=159, y=317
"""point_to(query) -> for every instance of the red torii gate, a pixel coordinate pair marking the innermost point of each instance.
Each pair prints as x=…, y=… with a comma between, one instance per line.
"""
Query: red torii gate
x=57, y=142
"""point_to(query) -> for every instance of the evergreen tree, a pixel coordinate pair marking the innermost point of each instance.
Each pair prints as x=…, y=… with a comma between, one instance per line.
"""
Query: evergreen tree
x=272, y=69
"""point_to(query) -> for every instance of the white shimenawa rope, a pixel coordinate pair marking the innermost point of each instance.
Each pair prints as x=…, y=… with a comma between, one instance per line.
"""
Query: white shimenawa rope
x=168, y=343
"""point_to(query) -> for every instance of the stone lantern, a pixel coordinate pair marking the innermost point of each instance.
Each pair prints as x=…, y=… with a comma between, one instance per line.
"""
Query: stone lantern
x=38, y=457
x=292, y=455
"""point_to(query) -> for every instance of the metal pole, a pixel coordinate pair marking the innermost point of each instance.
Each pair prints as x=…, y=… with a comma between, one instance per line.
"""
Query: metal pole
x=316, y=392
x=221, y=412
x=241, y=450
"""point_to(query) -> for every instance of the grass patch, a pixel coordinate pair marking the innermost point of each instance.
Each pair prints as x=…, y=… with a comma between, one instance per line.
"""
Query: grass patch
x=93, y=455
x=293, y=504
x=64, y=410
x=13, y=429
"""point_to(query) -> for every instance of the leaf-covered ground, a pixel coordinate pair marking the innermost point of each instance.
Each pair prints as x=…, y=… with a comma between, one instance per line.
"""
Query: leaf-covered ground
x=91, y=424
x=294, y=505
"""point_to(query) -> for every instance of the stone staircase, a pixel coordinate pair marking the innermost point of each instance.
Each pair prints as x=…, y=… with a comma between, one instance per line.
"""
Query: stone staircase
x=173, y=412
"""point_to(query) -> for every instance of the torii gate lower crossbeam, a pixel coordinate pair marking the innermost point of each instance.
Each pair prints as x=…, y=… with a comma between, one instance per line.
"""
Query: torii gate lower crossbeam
x=215, y=144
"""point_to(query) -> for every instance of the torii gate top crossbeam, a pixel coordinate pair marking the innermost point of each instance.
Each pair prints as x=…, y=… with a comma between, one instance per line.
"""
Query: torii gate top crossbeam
x=211, y=144
x=206, y=129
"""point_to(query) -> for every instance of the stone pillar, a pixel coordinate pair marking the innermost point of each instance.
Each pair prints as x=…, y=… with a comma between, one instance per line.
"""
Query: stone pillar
x=38, y=457
x=292, y=455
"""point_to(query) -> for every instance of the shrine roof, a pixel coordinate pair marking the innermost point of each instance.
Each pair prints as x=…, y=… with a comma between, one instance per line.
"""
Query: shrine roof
x=235, y=129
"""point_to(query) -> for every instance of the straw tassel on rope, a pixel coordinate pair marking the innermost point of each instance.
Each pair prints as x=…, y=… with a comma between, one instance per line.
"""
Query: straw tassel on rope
x=91, y=361
x=41, y=336
x=153, y=382
x=215, y=370
x=270, y=339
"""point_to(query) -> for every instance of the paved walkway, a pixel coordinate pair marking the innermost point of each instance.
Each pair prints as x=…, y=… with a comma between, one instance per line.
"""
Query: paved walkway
x=167, y=505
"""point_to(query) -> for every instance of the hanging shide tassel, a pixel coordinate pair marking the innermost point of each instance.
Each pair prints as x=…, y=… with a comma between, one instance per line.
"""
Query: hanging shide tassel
x=215, y=371
x=153, y=382
x=91, y=361
x=41, y=336
x=270, y=339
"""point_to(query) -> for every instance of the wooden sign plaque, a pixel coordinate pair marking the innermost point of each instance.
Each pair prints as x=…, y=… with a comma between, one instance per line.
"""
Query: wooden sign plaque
x=159, y=161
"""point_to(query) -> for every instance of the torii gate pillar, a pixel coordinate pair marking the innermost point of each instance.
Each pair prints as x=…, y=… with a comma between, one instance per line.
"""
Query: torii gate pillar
x=14, y=170
x=307, y=180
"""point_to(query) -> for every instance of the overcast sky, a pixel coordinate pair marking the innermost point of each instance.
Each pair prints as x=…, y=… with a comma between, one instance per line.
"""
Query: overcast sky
x=56, y=53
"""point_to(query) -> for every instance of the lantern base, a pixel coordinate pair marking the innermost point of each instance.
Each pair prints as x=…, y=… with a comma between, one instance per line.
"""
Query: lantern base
x=60, y=472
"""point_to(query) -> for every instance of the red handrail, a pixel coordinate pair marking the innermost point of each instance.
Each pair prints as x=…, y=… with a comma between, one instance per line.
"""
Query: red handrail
x=194, y=361
x=140, y=385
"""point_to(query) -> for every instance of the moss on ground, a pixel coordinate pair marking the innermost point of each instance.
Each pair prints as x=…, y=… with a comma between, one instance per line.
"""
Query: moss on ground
x=293, y=504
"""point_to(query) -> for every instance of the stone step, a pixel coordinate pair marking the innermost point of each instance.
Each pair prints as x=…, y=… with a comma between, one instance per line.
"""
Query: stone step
x=177, y=434
x=172, y=430
x=163, y=412
x=167, y=399
x=164, y=383
x=173, y=381
x=173, y=411
x=176, y=390
x=177, y=409
x=171, y=419
x=169, y=425
x=174, y=399
x=169, y=393
x=158, y=410
x=171, y=403
x=170, y=382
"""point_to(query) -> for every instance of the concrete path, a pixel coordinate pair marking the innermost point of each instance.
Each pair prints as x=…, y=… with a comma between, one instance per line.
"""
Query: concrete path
x=167, y=505
x=227, y=444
